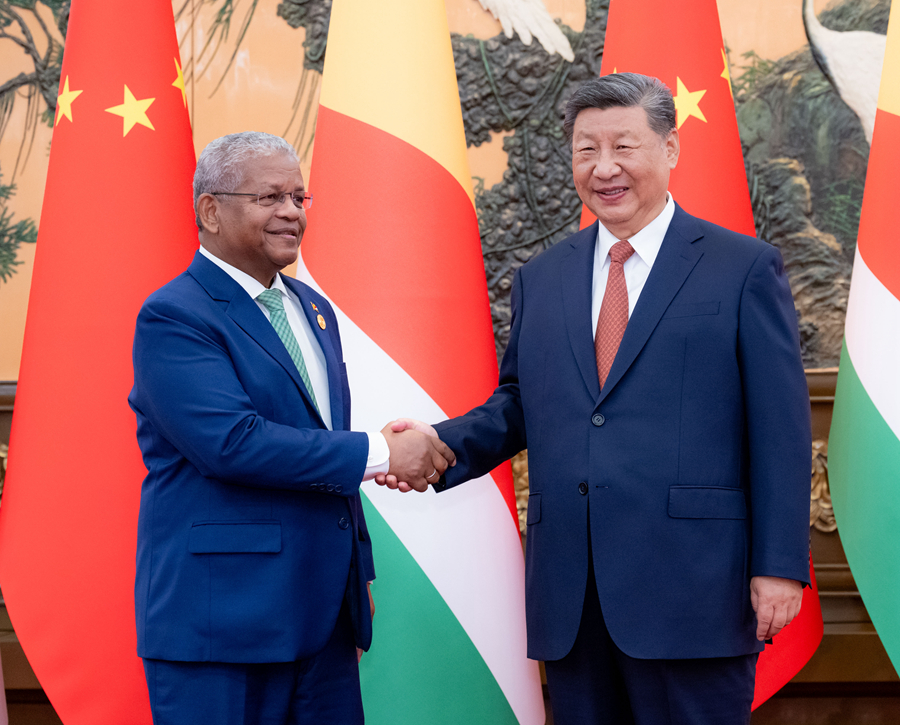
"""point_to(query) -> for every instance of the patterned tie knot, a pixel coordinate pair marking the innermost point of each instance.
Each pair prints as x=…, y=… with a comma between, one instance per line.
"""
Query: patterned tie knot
x=620, y=252
x=271, y=298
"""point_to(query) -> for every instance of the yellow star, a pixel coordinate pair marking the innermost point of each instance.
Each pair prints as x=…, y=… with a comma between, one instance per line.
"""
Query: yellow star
x=132, y=111
x=64, y=101
x=726, y=74
x=179, y=82
x=687, y=103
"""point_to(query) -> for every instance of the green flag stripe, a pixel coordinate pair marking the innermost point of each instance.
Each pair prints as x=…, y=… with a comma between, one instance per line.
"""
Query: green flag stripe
x=422, y=667
x=864, y=470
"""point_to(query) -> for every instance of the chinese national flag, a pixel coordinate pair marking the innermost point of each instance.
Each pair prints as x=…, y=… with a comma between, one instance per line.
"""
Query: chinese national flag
x=681, y=44
x=117, y=223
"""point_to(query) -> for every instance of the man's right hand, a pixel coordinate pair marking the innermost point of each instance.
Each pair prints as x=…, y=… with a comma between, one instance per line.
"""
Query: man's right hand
x=416, y=458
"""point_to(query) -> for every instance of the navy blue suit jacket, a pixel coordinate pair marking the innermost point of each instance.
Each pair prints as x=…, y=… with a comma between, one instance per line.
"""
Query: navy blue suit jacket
x=690, y=469
x=250, y=533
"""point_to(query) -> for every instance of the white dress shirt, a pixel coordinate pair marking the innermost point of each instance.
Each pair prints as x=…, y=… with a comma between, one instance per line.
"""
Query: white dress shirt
x=646, y=244
x=379, y=454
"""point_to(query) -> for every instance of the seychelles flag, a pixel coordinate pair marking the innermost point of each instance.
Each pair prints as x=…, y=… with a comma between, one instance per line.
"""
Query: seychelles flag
x=864, y=445
x=393, y=242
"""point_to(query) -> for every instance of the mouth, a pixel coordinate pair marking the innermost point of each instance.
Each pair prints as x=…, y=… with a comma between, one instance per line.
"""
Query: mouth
x=611, y=193
x=288, y=234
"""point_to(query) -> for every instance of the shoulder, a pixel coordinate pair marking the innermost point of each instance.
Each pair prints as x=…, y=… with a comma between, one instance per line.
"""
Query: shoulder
x=183, y=300
x=555, y=255
x=179, y=290
x=718, y=241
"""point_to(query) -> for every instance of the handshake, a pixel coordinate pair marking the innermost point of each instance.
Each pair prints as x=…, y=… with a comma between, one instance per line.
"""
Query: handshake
x=418, y=456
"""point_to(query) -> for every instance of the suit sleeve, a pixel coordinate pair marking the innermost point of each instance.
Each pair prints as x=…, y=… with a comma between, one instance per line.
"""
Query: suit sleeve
x=188, y=392
x=493, y=432
x=776, y=403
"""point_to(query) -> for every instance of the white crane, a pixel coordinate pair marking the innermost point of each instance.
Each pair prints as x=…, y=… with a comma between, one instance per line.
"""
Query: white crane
x=851, y=61
x=530, y=18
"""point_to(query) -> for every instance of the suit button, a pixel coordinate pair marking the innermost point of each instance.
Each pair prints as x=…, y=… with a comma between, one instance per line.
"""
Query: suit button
x=338, y=488
x=343, y=523
x=598, y=419
x=582, y=488
x=329, y=488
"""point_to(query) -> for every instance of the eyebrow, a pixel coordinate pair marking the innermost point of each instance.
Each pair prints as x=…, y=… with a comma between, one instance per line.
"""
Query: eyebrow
x=272, y=188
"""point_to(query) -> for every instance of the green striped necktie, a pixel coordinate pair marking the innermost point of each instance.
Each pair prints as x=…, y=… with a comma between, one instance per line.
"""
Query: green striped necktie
x=271, y=298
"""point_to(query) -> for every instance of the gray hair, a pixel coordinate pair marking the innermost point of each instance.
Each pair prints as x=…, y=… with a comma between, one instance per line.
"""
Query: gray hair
x=221, y=164
x=624, y=90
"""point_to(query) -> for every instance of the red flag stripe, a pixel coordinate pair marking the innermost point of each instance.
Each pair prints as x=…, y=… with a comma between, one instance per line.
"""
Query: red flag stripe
x=395, y=186
x=878, y=224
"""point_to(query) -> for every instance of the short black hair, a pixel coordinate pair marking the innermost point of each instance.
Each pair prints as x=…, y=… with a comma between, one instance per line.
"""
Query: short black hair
x=624, y=90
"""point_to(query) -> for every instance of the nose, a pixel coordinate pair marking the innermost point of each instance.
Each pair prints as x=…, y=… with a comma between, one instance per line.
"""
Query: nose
x=287, y=209
x=605, y=166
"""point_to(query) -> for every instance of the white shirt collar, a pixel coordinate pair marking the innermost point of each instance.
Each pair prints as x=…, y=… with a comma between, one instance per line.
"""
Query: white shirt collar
x=251, y=285
x=647, y=242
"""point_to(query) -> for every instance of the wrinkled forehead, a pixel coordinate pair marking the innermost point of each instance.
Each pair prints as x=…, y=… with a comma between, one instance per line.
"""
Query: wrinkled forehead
x=272, y=172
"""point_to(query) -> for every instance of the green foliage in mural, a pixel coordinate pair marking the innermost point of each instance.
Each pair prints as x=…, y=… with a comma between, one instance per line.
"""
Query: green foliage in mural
x=749, y=76
x=12, y=233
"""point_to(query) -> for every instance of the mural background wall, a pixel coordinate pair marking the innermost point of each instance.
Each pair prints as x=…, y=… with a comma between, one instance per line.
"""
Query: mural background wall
x=256, y=64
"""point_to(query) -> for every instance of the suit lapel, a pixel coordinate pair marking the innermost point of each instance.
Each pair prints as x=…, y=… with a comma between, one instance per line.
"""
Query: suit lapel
x=332, y=362
x=676, y=259
x=576, y=275
x=241, y=308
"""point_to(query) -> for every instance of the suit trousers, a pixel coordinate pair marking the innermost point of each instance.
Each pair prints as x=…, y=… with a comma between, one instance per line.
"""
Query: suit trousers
x=320, y=689
x=598, y=684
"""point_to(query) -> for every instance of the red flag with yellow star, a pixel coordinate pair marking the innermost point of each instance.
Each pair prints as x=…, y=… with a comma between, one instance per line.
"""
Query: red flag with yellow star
x=117, y=223
x=681, y=44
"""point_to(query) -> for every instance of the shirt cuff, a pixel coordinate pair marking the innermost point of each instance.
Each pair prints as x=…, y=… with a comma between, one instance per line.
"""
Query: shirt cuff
x=379, y=458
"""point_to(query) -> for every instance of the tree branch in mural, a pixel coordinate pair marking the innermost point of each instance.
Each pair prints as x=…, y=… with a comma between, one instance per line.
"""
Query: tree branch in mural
x=12, y=234
x=43, y=82
x=216, y=34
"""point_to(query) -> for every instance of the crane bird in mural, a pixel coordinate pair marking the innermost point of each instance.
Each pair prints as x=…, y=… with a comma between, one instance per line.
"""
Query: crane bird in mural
x=530, y=18
x=851, y=61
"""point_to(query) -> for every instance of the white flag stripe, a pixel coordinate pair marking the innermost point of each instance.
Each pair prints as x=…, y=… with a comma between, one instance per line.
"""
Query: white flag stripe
x=872, y=334
x=464, y=540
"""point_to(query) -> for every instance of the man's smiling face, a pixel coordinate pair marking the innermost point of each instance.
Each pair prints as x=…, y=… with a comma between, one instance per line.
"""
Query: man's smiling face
x=621, y=167
x=256, y=239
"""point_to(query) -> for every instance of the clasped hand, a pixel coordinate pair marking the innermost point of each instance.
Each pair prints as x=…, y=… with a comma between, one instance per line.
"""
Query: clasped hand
x=418, y=456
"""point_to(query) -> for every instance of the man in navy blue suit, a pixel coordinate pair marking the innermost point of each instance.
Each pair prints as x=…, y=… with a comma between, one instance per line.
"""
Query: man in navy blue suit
x=253, y=558
x=653, y=372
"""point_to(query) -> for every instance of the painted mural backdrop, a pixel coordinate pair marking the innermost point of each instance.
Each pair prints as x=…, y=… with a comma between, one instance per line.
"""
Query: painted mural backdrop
x=804, y=118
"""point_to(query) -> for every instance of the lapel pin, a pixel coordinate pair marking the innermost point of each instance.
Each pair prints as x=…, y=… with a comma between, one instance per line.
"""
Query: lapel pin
x=319, y=318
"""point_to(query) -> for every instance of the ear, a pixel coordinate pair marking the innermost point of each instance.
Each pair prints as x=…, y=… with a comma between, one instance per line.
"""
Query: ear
x=208, y=210
x=673, y=148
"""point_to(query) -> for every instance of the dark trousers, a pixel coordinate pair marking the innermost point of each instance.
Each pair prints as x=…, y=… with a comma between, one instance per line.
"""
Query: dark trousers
x=598, y=684
x=320, y=689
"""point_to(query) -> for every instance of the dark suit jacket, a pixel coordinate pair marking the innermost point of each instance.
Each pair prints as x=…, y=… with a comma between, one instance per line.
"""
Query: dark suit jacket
x=250, y=532
x=690, y=470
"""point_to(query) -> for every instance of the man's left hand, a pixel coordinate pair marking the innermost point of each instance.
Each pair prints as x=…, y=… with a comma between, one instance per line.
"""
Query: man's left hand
x=776, y=602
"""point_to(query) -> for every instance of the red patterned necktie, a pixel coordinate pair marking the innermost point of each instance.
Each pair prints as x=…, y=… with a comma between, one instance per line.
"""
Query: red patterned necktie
x=613, y=316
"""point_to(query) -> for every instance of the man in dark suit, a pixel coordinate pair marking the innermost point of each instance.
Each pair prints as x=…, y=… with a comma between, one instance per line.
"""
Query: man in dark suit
x=653, y=372
x=253, y=557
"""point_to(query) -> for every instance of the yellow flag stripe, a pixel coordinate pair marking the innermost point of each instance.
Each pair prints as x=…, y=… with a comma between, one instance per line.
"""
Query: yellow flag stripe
x=889, y=93
x=406, y=87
